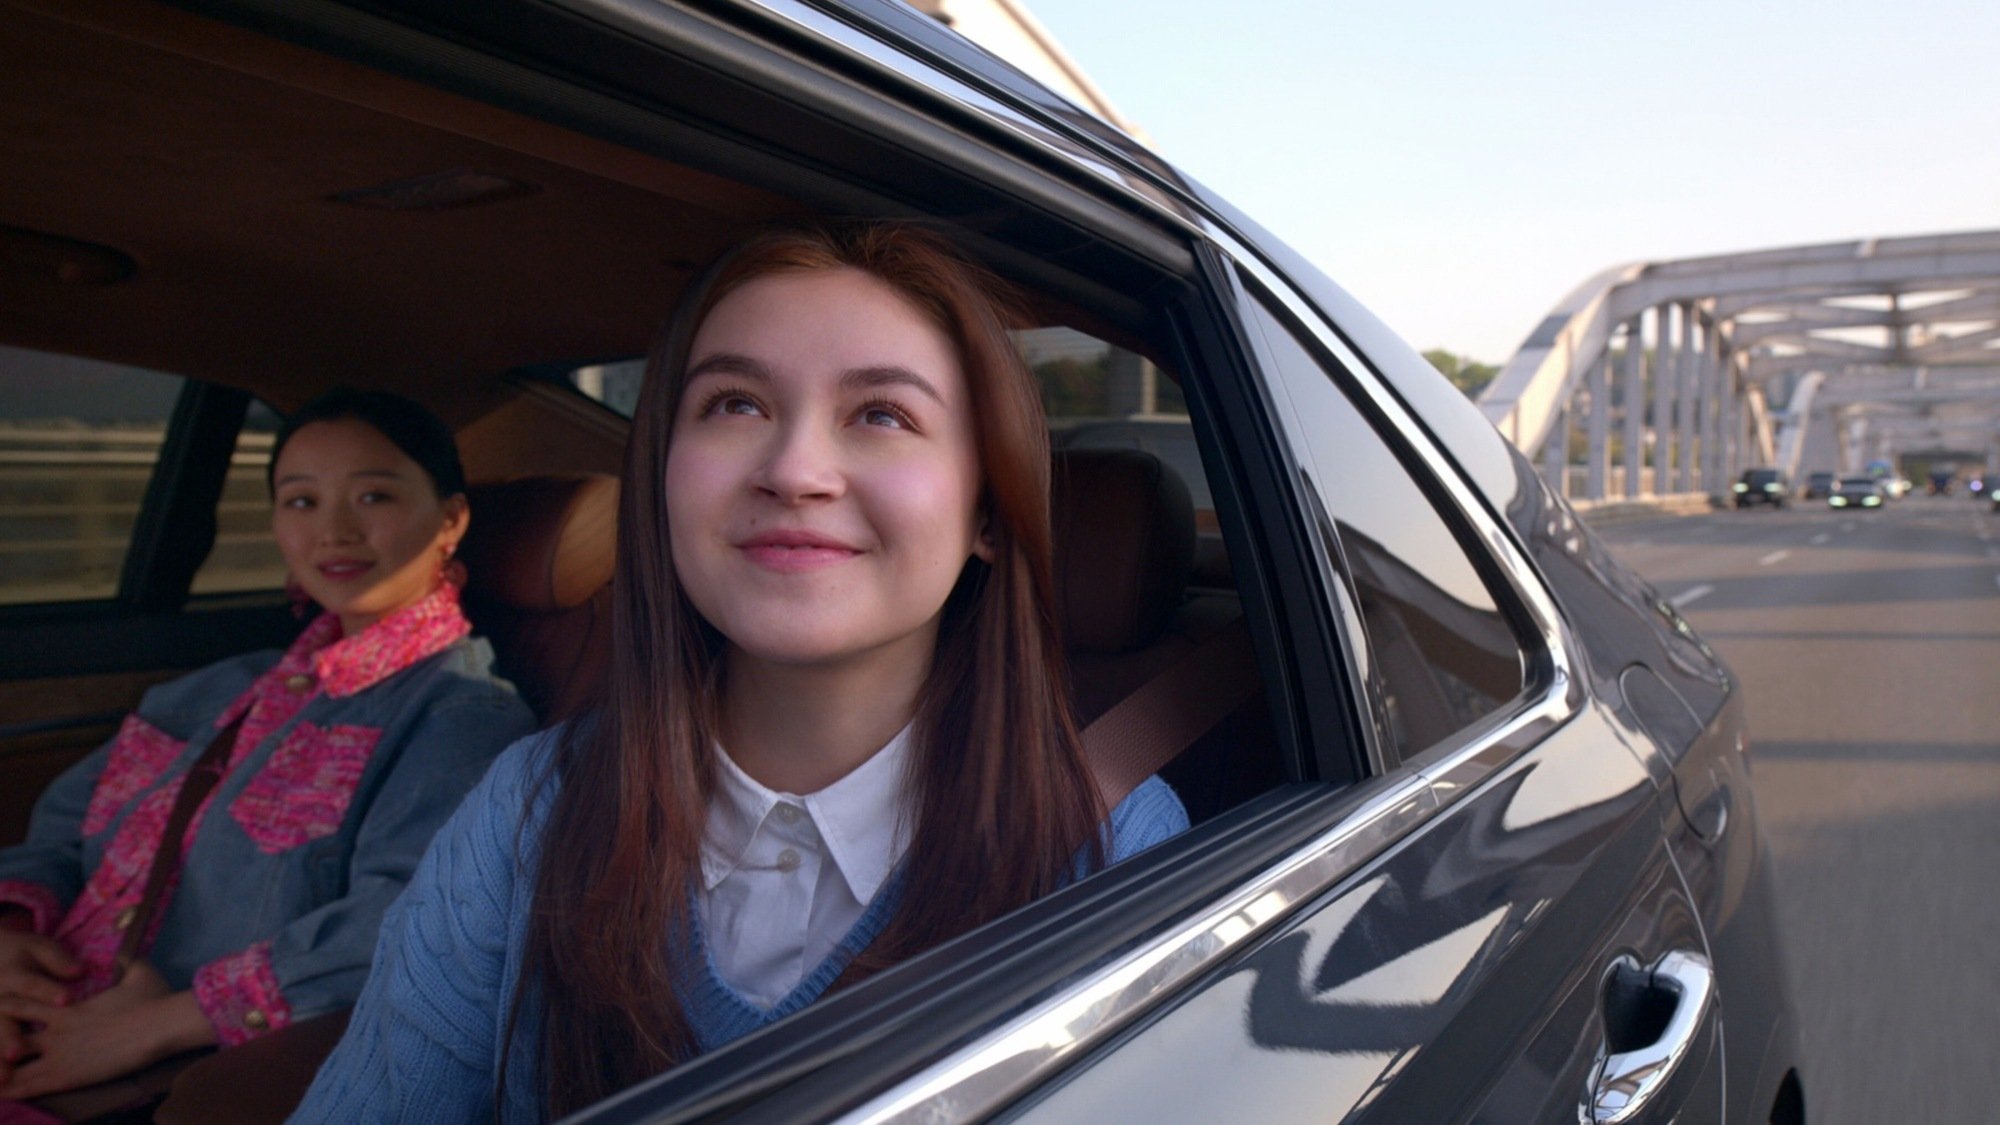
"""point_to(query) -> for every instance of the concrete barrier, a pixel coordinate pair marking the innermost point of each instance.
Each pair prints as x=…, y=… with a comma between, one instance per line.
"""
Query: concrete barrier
x=1598, y=513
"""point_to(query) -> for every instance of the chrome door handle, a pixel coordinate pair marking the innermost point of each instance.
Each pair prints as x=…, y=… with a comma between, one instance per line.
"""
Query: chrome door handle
x=1622, y=1084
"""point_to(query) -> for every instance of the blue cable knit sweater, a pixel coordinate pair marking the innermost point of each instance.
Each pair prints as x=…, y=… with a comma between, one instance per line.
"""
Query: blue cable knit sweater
x=425, y=1044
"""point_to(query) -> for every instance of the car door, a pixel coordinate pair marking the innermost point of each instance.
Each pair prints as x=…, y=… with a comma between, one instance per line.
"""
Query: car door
x=1526, y=925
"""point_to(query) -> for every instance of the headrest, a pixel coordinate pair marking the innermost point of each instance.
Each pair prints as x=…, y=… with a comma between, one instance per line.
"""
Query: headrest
x=541, y=543
x=1124, y=543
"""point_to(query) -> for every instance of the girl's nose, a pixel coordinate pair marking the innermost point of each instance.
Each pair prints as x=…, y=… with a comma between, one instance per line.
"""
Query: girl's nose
x=340, y=524
x=801, y=463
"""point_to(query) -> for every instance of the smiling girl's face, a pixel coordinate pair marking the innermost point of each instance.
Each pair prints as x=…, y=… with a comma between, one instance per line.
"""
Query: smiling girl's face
x=360, y=524
x=822, y=482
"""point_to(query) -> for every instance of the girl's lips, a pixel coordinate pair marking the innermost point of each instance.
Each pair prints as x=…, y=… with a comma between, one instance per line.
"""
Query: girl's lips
x=796, y=559
x=341, y=570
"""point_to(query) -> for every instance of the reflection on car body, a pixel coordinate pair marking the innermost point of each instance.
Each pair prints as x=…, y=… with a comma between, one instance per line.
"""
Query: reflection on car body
x=1486, y=770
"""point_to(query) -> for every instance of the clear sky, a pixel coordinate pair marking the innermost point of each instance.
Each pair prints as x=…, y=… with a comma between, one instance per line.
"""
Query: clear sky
x=1461, y=165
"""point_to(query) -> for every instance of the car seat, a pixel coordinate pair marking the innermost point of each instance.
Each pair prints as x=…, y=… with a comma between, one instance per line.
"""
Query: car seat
x=1125, y=552
x=539, y=556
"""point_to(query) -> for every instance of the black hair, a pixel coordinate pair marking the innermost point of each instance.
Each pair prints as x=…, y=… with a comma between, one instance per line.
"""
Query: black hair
x=421, y=435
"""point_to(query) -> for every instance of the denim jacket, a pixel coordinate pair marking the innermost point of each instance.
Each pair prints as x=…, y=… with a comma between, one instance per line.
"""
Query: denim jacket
x=352, y=751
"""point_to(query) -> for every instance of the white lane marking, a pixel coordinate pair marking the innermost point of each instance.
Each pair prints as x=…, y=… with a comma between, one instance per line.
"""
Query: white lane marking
x=1820, y=538
x=1774, y=556
x=1847, y=525
x=1693, y=592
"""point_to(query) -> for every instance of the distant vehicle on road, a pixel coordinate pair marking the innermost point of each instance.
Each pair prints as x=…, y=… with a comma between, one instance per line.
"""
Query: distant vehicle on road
x=1894, y=483
x=1819, y=486
x=1858, y=492
x=1762, y=486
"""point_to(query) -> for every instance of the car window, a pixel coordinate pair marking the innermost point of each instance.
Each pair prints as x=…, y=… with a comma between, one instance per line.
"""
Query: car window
x=245, y=555
x=614, y=383
x=1443, y=654
x=78, y=441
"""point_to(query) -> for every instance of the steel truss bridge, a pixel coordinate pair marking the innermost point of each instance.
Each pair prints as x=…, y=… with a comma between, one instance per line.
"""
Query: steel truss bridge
x=1663, y=378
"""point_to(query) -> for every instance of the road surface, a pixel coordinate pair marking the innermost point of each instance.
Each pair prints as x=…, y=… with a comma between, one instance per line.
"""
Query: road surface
x=1869, y=647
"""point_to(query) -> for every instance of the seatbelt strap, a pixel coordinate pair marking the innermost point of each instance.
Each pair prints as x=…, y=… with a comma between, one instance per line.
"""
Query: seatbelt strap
x=1168, y=713
x=199, y=781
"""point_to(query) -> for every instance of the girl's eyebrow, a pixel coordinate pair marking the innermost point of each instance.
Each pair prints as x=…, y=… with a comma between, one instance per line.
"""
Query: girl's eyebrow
x=889, y=375
x=727, y=363
x=876, y=375
x=288, y=478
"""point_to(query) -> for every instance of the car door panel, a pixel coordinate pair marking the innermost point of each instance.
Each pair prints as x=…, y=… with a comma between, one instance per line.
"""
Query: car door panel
x=1456, y=978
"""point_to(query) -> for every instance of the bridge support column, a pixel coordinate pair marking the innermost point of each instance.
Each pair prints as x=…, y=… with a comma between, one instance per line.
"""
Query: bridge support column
x=1712, y=478
x=1686, y=401
x=1597, y=484
x=1633, y=378
x=1663, y=401
x=1555, y=453
x=1733, y=401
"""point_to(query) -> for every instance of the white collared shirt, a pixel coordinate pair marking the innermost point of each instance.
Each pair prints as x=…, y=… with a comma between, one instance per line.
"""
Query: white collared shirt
x=785, y=877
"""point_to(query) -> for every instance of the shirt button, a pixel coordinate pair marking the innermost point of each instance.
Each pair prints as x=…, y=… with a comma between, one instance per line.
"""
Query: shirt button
x=126, y=917
x=255, y=1020
x=299, y=682
x=788, y=813
x=788, y=860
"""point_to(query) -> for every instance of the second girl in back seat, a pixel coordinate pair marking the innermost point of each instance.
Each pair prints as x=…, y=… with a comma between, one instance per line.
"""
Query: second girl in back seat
x=836, y=731
x=219, y=868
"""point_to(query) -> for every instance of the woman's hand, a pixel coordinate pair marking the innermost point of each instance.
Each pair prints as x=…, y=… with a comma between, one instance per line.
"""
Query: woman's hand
x=136, y=1022
x=34, y=968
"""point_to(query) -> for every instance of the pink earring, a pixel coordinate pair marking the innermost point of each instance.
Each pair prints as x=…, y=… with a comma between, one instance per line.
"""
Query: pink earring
x=450, y=570
x=295, y=593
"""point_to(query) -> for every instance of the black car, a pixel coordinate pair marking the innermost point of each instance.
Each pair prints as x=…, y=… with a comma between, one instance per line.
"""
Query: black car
x=1819, y=485
x=1473, y=829
x=1761, y=486
x=1862, y=493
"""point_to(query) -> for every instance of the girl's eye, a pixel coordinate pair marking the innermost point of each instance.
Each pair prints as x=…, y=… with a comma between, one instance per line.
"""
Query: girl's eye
x=884, y=414
x=297, y=503
x=376, y=497
x=729, y=400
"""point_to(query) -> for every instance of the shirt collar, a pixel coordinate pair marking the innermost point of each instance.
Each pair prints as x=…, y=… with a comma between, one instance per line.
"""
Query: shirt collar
x=348, y=665
x=862, y=818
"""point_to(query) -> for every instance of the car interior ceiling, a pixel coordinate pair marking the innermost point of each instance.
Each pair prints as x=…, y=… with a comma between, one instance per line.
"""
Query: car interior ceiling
x=199, y=199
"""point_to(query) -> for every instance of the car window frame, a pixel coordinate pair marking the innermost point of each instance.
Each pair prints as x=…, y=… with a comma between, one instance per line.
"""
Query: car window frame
x=1553, y=690
x=1361, y=640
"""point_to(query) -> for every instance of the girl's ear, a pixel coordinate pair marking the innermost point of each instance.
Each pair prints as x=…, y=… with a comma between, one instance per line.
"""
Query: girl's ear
x=982, y=544
x=457, y=516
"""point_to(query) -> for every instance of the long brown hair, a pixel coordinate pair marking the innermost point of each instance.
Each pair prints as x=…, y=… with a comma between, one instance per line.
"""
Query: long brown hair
x=1004, y=804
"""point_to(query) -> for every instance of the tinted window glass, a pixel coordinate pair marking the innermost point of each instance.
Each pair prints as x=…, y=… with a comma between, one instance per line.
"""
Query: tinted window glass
x=1444, y=655
x=245, y=556
x=78, y=440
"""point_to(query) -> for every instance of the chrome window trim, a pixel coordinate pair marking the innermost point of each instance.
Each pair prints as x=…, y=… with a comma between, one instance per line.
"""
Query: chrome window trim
x=983, y=1075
